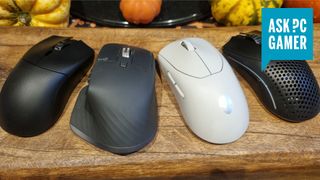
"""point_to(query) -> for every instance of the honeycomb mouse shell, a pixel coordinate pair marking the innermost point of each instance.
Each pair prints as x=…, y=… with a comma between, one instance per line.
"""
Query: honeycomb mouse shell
x=288, y=89
x=295, y=89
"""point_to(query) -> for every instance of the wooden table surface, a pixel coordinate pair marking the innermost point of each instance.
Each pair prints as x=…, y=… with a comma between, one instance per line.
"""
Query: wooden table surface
x=270, y=148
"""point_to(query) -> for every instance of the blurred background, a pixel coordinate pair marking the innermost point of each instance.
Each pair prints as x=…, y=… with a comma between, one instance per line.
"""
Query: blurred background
x=142, y=13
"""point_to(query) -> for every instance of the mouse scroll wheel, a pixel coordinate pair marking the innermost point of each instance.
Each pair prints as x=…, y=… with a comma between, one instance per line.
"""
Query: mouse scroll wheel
x=187, y=45
x=60, y=45
x=126, y=52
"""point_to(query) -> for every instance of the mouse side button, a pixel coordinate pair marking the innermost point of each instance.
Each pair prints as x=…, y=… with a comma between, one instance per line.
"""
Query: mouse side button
x=180, y=92
x=171, y=78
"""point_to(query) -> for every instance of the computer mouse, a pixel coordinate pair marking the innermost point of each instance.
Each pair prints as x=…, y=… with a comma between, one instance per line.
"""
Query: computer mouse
x=208, y=93
x=117, y=111
x=288, y=89
x=38, y=88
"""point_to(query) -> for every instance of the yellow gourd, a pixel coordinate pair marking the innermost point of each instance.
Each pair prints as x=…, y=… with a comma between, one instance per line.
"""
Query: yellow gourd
x=241, y=12
x=45, y=13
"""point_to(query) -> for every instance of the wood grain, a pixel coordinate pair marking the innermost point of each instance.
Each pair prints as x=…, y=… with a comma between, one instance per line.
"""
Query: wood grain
x=271, y=148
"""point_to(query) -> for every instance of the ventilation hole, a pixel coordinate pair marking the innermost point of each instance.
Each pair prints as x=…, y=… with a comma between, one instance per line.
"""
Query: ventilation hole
x=297, y=87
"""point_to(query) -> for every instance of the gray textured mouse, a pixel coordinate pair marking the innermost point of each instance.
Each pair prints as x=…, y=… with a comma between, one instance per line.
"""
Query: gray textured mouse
x=117, y=111
x=38, y=88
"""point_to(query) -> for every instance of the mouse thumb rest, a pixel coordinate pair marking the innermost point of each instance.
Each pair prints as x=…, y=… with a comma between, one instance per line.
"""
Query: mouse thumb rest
x=109, y=128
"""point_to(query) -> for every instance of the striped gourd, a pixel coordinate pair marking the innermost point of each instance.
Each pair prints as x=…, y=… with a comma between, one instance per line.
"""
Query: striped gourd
x=241, y=12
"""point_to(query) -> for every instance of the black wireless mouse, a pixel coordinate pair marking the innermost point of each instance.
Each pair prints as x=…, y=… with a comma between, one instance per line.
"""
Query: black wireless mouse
x=288, y=89
x=117, y=111
x=36, y=91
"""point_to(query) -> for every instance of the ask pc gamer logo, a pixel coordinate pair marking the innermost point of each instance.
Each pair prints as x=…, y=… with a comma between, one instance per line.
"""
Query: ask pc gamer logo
x=287, y=34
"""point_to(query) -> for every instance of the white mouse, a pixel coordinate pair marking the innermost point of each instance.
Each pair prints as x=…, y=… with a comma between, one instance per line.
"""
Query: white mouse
x=208, y=92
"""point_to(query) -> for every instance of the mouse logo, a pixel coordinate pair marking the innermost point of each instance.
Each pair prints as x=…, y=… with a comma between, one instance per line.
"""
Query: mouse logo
x=226, y=104
x=287, y=34
x=104, y=59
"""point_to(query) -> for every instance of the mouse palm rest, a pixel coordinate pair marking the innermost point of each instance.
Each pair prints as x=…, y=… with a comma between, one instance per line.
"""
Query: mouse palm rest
x=117, y=111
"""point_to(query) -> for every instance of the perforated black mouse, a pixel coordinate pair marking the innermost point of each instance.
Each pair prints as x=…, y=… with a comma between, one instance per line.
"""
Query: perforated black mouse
x=38, y=88
x=288, y=89
x=117, y=111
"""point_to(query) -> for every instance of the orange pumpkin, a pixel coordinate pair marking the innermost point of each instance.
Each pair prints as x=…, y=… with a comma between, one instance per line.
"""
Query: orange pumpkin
x=315, y=4
x=140, y=11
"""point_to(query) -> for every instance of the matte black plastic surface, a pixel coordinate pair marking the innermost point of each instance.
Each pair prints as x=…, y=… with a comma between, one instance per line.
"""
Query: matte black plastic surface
x=36, y=91
x=286, y=88
x=117, y=111
x=107, y=12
